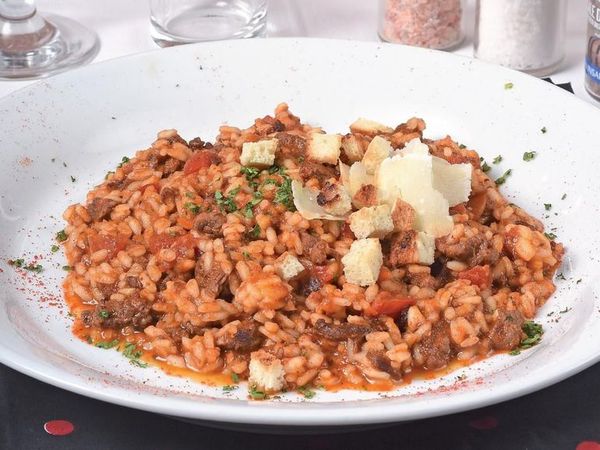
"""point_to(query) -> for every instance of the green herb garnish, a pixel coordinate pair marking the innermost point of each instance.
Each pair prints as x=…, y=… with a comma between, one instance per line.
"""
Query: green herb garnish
x=503, y=178
x=250, y=172
x=254, y=232
x=229, y=388
x=16, y=262
x=563, y=196
x=550, y=236
x=508, y=86
x=73, y=179
x=67, y=268
x=462, y=146
x=544, y=130
x=189, y=194
x=277, y=169
x=104, y=314
x=256, y=394
x=245, y=254
x=107, y=344
x=61, y=236
x=192, y=207
x=284, y=195
x=108, y=174
x=133, y=355
x=485, y=167
x=54, y=248
x=248, y=212
x=497, y=159
x=235, y=377
x=227, y=203
x=528, y=156
x=124, y=160
x=534, y=332
x=307, y=392
x=547, y=206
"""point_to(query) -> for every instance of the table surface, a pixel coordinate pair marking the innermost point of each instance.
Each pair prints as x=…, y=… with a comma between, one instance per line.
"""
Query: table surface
x=564, y=416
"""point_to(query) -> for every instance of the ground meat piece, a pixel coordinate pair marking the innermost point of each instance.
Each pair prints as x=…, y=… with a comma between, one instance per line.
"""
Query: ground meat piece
x=211, y=280
x=314, y=247
x=209, y=223
x=403, y=248
x=476, y=250
x=100, y=208
x=434, y=349
x=106, y=289
x=291, y=145
x=366, y=196
x=246, y=339
x=506, y=333
x=321, y=172
x=172, y=165
x=402, y=320
x=340, y=332
x=116, y=184
x=117, y=314
x=134, y=282
x=381, y=362
x=167, y=194
x=176, y=138
x=196, y=144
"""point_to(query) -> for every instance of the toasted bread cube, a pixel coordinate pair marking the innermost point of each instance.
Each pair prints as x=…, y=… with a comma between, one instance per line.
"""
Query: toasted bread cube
x=324, y=148
x=374, y=221
x=334, y=198
x=411, y=247
x=403, y=216
x=365, y=196
x=288, y=266
x=369, y=127
x=378, y=150
x=352, y=148
x=363, y=262
x=266, y=372
x=259, y=154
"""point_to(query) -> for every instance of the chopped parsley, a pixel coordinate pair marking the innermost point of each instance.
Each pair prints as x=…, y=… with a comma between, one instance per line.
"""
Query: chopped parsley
x=462, y=146
x=250, y=172
x=246, y=255
x=61, y=236
x=254, y=232
x=544, y=130
x=67, y=268
x=256, y=394
x=124, y=160
x=248, y=212
x=16, y=262
x=108, y=174
x=189, y=194
x=229, y=388
x=269, y=181
x=104, y=314
x=235, y=377
x=508, y=86
x=485, y=167
x=107, y=344
x=497, y=159
x=192, y=207
x=502, y=179
x=277, y=169
x=547, y=206
x=284, y=195
x=300, y=159
x=578, y=281
x=307, y=392
x=563, y=196
x=566, y=310
x=54, y=248
x=533, y=332
x=73, y=179
x=528, y=156
x=64, y=164
x=20, y=264
x=560, y=276
x=133, y=355
x=227, y=203
x=550, y=236
x=53, y=159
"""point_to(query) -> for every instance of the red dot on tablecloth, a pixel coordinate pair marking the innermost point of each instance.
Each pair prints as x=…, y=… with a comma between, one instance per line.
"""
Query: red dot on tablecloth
x=484, y=423
x=588, y=445
x=58, y=427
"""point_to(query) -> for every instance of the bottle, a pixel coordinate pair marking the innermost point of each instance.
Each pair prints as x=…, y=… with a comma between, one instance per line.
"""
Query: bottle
x=592, y=56
x=423, y=23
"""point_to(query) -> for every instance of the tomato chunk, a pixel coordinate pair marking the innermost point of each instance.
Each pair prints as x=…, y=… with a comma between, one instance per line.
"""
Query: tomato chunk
x=478, y=275
x=387, y=304
x=159, y=241
x=200, y=160
x=322, y=273
x=113, y=244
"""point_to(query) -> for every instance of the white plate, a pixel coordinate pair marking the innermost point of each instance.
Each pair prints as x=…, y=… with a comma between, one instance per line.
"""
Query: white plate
x=91, y=117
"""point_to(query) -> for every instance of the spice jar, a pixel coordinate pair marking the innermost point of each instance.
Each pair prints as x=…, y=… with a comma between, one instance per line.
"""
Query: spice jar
x=422, y=23
x=527, y=35
x=592, y=56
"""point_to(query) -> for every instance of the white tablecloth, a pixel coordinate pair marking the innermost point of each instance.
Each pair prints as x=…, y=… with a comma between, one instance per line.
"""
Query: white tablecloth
x=124, y=29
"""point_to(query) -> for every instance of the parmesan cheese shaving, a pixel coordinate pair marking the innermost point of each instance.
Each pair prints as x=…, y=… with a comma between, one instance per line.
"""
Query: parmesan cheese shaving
x=305, y=201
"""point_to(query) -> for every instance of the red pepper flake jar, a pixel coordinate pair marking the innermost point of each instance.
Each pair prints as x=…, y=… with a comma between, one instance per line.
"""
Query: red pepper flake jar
x=423, y=23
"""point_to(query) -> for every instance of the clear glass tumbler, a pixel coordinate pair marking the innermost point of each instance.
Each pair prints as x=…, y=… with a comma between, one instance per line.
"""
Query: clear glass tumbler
x=186, y=21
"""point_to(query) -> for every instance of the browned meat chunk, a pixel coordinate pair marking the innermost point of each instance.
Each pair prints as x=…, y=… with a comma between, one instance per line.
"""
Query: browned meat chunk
x=365, y=196
x=171, y=165
x=506, y=333
x=106, y=289
x=100, y=208
x=246, y=339
x=403, y=216
x=340, y=332
x=211, y=281
x=315, y=248
x=291, y=145
x=475, y=250
x=196, y=144
x=434, y=349
x=403, y=248
x=383, y=363
x=167, y=194
x=321, y=172
x=133, y=311
x=134, y=282
x=209, y=223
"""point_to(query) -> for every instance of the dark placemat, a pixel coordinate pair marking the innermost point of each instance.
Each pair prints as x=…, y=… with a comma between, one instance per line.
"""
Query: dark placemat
x=564, y=416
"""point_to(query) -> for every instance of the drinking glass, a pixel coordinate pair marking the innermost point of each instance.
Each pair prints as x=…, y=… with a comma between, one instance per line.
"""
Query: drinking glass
x=34, y=46
x=187, y=21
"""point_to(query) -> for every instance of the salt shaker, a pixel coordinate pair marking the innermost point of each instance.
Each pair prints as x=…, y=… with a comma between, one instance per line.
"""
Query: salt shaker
x=527, y=35
x=422, y=23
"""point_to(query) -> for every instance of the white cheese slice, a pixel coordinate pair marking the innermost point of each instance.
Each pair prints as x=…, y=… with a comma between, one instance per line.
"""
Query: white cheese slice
x=453, y=181
x=305, y=201
x=425, y=248
x=415, y=147
x=357, y=177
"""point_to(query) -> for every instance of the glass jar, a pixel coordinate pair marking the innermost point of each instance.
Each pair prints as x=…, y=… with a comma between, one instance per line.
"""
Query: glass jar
x=423, y=23
x=592, y=56
x=527, y=35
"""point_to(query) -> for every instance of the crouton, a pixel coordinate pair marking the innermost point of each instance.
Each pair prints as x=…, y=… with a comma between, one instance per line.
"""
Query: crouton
x=324, y=148
x=352, y=148
x=411, y=247
x=365, y=196
x=374, y=221
x=403, y=216
x=334, y=198
x=369, y=127
x=287, y=266
x=363, y=262
x=259, y=154
x=266, y=372
x=378, y=150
